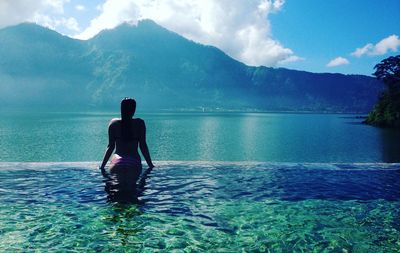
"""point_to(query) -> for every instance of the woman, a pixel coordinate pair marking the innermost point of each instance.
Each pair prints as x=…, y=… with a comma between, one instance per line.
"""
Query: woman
x=125, y=135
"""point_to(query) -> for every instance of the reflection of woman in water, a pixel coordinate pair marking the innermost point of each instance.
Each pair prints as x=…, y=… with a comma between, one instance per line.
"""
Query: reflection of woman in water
x=125, y=135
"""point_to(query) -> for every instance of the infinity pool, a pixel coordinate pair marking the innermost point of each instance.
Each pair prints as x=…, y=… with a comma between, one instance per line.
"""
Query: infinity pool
x=203, y=207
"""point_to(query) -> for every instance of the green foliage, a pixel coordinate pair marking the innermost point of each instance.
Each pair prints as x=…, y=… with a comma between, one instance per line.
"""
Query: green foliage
x=386, y=112
x=389, y=72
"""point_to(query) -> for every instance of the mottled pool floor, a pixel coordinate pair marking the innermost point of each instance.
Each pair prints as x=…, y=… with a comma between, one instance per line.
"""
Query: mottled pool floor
x=203, y=207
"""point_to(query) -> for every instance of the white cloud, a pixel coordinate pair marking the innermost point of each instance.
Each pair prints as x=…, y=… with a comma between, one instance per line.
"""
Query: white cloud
x=55, y=5
x=363, y=50
x=53, y=23
x=71, y=24
x=278, y=4
x=239, y=27
x=390, y=43
x=337, y=62
x=49, y=13
x=292, y=58
x=80, y=7
x=13, y=12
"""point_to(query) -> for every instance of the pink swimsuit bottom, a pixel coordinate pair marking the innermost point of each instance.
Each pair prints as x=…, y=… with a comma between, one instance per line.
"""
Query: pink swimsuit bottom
x=125, y=161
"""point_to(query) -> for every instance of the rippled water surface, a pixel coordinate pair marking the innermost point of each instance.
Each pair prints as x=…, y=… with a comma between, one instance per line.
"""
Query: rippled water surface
x=203, y=207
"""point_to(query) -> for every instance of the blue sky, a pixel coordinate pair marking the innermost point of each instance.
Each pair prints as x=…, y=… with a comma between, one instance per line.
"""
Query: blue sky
x=323, y=30
x=310, y=35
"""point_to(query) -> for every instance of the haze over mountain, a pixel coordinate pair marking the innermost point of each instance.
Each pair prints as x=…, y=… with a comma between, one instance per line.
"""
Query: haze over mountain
x=40, y=68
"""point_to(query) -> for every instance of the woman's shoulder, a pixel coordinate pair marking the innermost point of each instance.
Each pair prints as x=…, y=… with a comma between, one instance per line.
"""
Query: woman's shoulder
x=114, y=121
x=138, y=121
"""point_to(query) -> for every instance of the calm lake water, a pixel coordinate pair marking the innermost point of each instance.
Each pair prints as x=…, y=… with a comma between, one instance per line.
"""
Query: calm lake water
x=266, y=137
x=223, y=182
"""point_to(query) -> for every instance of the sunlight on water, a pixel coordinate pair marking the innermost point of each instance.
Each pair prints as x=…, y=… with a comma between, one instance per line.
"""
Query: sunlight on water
x=204, y=207
x=274, y=137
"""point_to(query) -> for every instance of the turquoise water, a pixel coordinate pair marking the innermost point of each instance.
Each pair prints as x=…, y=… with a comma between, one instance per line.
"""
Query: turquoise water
x=271, y=137
x=229, y=182
x=203, y=207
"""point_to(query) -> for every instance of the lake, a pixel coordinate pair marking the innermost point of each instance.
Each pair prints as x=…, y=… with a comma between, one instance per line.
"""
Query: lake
x=223, y=182
x=265, y=137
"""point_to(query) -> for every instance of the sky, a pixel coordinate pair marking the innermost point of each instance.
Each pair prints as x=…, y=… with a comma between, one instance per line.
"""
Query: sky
x=337, y=36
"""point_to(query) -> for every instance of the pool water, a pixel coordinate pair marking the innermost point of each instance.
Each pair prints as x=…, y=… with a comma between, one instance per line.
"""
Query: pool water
x=203, y=207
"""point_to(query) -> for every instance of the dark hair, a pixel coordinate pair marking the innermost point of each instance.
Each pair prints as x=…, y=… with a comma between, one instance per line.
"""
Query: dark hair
x=128, y=108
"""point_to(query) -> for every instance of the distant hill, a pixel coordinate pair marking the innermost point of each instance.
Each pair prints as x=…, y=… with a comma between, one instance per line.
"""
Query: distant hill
x=40, y=68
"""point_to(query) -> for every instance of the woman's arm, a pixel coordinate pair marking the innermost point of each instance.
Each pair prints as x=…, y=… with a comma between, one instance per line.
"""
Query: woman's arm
x=107, y=154
x=110, y=146
x=143, y=145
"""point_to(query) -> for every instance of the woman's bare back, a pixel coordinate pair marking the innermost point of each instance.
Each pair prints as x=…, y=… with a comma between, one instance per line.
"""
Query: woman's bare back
x=127, y=147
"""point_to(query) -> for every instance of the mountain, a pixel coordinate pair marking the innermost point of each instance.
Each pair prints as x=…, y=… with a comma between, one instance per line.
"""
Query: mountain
x=40, y=68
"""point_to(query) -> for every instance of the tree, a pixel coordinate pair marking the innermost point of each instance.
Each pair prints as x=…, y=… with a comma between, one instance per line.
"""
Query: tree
x=386, y=112
x=389, y=72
